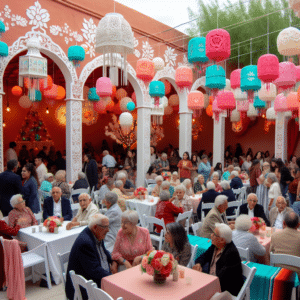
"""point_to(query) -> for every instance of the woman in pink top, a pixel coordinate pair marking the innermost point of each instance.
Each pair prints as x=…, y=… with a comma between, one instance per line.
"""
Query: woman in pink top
x=131, y=243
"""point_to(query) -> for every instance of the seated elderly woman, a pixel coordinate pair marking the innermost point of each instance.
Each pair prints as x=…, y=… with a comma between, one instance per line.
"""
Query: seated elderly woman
x=166, y=210
x=277, y=213
x=181, y=199
x=165, y=186
x=157, y=188
x=222, y=259
x=46, y=187
x=132, y=242
x=244, y=239
x=60, y=181
x=188, y=187
x=21, y=215
x=128, y=186
x=215, y=180
x=121, y=197
x=80, y=183
x=200, y=185
x=236, y=181
x=177, y=243
x=174, y=179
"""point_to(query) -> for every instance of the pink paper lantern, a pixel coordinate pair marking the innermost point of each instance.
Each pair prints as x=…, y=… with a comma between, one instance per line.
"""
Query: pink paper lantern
x=292, y=101
x=287, y=76
x=235, y=78
x=104, y=87
x=242, y=107
x=218, y=45
x=225, y=100
x=196, y=102
x=280, y=103
x=216, y=110
x=268, y=68
x=145, y=69
x=184, y=77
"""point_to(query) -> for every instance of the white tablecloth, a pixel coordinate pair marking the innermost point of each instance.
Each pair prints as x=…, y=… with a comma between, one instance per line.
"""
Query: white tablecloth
x=247, y=183
x=60, y=242
x=195, y=201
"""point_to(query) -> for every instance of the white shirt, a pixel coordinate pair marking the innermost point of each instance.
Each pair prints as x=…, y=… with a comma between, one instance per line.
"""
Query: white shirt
x=57, y=208
x=41, y=171
x=279, y=220
x=250, y=212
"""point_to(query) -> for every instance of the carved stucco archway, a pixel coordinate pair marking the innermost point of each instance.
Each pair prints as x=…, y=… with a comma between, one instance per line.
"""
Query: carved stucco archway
x=200, y=82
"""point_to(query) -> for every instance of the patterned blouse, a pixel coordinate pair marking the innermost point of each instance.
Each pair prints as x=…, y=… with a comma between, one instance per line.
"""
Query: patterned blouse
x=15, y=215
x=185, y=203
x=129, y=251
x=184, y=257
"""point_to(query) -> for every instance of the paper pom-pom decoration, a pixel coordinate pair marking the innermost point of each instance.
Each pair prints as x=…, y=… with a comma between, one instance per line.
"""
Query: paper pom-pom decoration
x=92, y=96
x=130, y=106
x=17, y=91
x=168, y=110
x=123, y=103
x=61, y=93
x=46, y=84
x=126, y=121
x=52, y=93
x=25, y=102
x=209, y=111
x=168, y=86
x=120, y=94
x=100, y=107
x=159, y=63
x=174, y=100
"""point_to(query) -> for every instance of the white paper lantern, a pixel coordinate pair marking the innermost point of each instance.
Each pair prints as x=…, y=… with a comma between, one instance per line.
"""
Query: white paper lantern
x=267, y=94
x=271, y=115
x=126, y=120
x=239, y=95
x=252, y=113
x=168, y=110
x=159, y=63
x=288, y=41
x=228, y=86
x=235, y=116
x=123, y=103
x=174, y=100
x=25, y=102
x=165, y=101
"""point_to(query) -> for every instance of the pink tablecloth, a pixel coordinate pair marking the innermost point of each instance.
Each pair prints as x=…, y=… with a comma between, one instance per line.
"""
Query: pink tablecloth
x=266, y=242
x=132, y=285
x=195, y=201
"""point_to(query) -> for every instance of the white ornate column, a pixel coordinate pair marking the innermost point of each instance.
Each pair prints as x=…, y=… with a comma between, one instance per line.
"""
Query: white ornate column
x=219, y=140
x=281, y=136
x=185, y=127
x=1, y=133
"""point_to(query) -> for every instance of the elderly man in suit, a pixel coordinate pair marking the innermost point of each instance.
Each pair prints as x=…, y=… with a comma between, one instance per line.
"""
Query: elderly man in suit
x=89, y=257
x=58, y=206
x=216, y=215
x=114, y=214
x=222, y=259
x=277, y=213
x=287, y=241
x=10, y=184
x=252, y=209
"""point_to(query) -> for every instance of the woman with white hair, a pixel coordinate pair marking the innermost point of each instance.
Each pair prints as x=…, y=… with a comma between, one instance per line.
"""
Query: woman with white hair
x=215, y=180
x=200, y=185
x=21, y=215
x=236, y=181
x=60, y=181
x=244, y=239
x=181, y=199
x=165, y=186
x=157, y=188
x=174, y=179
x=274, y=191
x=121, y=196
x=188, y=187
x=132, y=242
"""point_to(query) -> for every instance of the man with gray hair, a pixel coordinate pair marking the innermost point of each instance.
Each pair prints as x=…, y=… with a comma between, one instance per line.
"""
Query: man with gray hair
x=162, y=164
x=277, y=213
x=114, y=214
x=216, y=215
x=236, y=181
x=89, y=257
x=108, y=161
x=222, y=259
x=86, y=211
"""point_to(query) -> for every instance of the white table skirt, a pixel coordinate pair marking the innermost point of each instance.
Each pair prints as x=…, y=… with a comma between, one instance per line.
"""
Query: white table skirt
x=56, y=243
x=247, y=183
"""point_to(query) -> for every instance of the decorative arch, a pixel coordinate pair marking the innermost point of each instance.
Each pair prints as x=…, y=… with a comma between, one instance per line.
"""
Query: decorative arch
x=200, y=82
x=169, y=74
x=138, y=85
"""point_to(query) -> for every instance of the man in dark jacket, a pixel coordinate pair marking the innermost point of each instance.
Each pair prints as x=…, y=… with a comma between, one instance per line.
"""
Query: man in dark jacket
x=222, y=259
x=91, y=170
x=236, y=181
x=89, y=257
x=256, y=209
x=10, y=184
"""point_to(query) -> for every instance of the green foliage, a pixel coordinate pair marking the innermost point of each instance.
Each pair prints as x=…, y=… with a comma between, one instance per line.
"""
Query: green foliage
x=244, y=20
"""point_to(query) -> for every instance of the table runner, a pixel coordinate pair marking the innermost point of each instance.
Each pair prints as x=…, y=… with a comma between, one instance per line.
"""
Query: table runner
x=203, y=244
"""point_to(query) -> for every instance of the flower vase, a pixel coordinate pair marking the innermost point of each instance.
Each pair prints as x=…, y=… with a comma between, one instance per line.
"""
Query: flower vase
x=159, y=279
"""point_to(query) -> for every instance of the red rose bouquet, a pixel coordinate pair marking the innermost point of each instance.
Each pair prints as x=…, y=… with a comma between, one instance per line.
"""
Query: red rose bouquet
x=140, y=192
x=51, y=223
x=257, y=223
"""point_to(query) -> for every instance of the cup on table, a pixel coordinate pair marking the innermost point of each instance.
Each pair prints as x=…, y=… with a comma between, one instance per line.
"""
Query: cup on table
x=262, y=234
x=150, y=199
x=33, y=229
x=269, y=232
x=188, y=280
x=181, y=272
x=41, y=228
x=56, y=230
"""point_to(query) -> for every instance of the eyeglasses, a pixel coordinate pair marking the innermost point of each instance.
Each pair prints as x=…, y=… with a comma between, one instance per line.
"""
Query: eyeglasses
x=104, y=227
x=21, y=201
x=125, y=222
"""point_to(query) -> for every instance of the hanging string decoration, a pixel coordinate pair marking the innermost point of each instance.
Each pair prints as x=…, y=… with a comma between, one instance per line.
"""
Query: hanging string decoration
x=76, y=54
x=216, y=110
x=242, y=107
x=45, y=84
x=157, y=112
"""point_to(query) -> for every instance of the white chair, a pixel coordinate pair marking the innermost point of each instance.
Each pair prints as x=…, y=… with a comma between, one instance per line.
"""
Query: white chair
x=150, y=181
x=206, y=206
x=236, y=204
x=149, y=222
x=196, y=227
x=78, y=192
x=134, y=206
x=185, y=216
x=192, y=260
x=243, y=195
x=237, y=193
x=93, y=193
x=63, y=259
x=79, y=281
x=39, y=217
x=96, y=294
x=150, y=188
x=288, y=260
x=75, y=207
x=244, y=253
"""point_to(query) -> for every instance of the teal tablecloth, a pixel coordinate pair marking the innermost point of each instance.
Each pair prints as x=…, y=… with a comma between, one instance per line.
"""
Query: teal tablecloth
x=203, y=244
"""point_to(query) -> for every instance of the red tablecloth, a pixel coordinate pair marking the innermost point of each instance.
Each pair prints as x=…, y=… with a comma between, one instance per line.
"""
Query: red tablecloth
x=132, y=285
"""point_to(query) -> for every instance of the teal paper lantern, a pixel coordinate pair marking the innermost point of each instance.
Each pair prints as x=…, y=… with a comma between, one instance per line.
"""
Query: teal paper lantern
x=196, y=50
x=249, y=79
x=92, y=95
x=2, y=28
x=130, y=106
x=156, y=90
x=259, y=104
x=215, y=77
x=3, y=49
x=76, y=54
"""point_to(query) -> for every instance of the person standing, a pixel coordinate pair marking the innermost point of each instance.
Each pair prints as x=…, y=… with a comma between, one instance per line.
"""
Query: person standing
x=205, y=168
x=109, y=161
x=10, y=184
x=184, y=167
x=91, y=170
x=11, y=153
x=41, y=169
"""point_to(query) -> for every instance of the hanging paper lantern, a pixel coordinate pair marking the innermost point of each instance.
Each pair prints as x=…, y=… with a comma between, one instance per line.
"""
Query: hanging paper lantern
x=218, y=45
x=184, y=77
x=145, y=69
x=249, y=81
x=100, y=107
x=52, y=93
x=209, y=111
x=156, y=90
x=38, y=96
x=292, y=103
x=120, y=94
x=2, y=28
x=196, y=50
x=242, y=107
x=123, y=103
x=225, y=100
x=268, y=68
x=288, y=41
x=110, y=106
x=252, y=113
x=216, y=110
x=267, y=95
x=104, y=87
x=93, y=96
x=159, y=63
x=126, y=121
x=174, y=100
x=61, y=93
x=259, y=105
x=76, y=54
x=168, y=86
x=235, y=116
x=196, y=102
x=271, y=115
x=130, y=106
x=3, y=49
x=239, y=95
x=25, y=102
x=287, y=76
x=235, y=78
x=168, y=110
x=17, y=90
x=280, y=104
x=45, y=84
x=215, y=77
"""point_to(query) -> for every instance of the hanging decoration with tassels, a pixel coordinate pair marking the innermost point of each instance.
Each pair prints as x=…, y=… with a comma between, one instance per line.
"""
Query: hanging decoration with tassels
x=197, y=53
x=76, y=54
x=157, y=91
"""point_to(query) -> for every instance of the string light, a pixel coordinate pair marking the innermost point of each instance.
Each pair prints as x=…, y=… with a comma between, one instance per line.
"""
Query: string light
x=4, y=124
x=47, y=110
x=8, y=108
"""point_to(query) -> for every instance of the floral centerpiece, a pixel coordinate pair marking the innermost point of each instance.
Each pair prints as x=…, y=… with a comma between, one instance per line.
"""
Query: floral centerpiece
x=166, y=175
x=159, y=264
x=257, y=223
x=244, y=177
x=51, y=223
x=140, y=193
